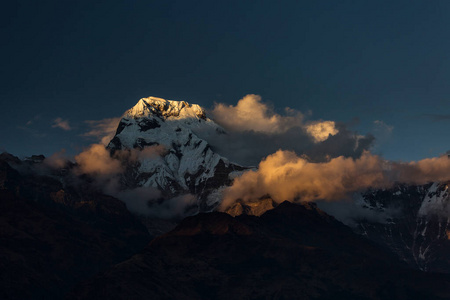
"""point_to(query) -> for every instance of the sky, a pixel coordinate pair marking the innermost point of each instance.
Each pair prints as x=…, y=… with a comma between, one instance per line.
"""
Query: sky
x=380, y=67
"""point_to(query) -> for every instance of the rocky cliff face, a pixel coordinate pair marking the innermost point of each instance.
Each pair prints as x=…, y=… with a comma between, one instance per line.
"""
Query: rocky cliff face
x=413, y=222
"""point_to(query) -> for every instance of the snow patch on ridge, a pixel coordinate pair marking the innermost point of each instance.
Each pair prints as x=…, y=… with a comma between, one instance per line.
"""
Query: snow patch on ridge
x=436, y=201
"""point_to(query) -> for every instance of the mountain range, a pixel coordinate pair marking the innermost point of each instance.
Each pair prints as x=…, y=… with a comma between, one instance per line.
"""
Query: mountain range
x=413, y=222
x=295, y=251
x=71, y=233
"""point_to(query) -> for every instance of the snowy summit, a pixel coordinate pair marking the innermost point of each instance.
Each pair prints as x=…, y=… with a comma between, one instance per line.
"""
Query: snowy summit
x=187, y=165
x=151, y=106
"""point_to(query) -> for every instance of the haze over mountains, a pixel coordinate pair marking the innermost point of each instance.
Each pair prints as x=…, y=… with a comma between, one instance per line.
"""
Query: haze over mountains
x=167, y=160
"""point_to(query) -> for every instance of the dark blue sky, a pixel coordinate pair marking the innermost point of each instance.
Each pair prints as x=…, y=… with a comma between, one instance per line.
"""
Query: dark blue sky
x=343, y=60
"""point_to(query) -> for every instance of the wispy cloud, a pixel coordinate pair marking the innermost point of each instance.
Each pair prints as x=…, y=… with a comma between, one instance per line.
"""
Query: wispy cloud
x=33, y=132
x=31, y=128
x=381, y=126
x=437, y=117
x=97, y=160
x=382, y=133
x=33, y=120
x=60, y=123
x=103, y=130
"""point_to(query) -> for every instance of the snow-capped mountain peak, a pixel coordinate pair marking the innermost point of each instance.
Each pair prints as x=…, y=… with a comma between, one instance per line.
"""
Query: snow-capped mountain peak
x=153, y=106
x=188, y=165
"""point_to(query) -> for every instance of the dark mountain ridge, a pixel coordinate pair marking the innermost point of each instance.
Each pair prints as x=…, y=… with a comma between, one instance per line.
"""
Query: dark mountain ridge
x=54, y=234
x=291, y=252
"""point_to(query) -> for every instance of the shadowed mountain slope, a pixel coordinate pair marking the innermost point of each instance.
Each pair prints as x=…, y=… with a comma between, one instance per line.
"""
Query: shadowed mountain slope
x=291, y=252
x=54, y=235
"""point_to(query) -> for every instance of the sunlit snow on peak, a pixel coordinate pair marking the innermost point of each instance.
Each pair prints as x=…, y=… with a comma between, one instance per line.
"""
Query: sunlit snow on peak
x=166, y=108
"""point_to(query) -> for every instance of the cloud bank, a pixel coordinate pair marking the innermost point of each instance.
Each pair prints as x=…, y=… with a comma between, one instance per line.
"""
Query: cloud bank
x=437, y=117
x=286, y=176
x=254, y=130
